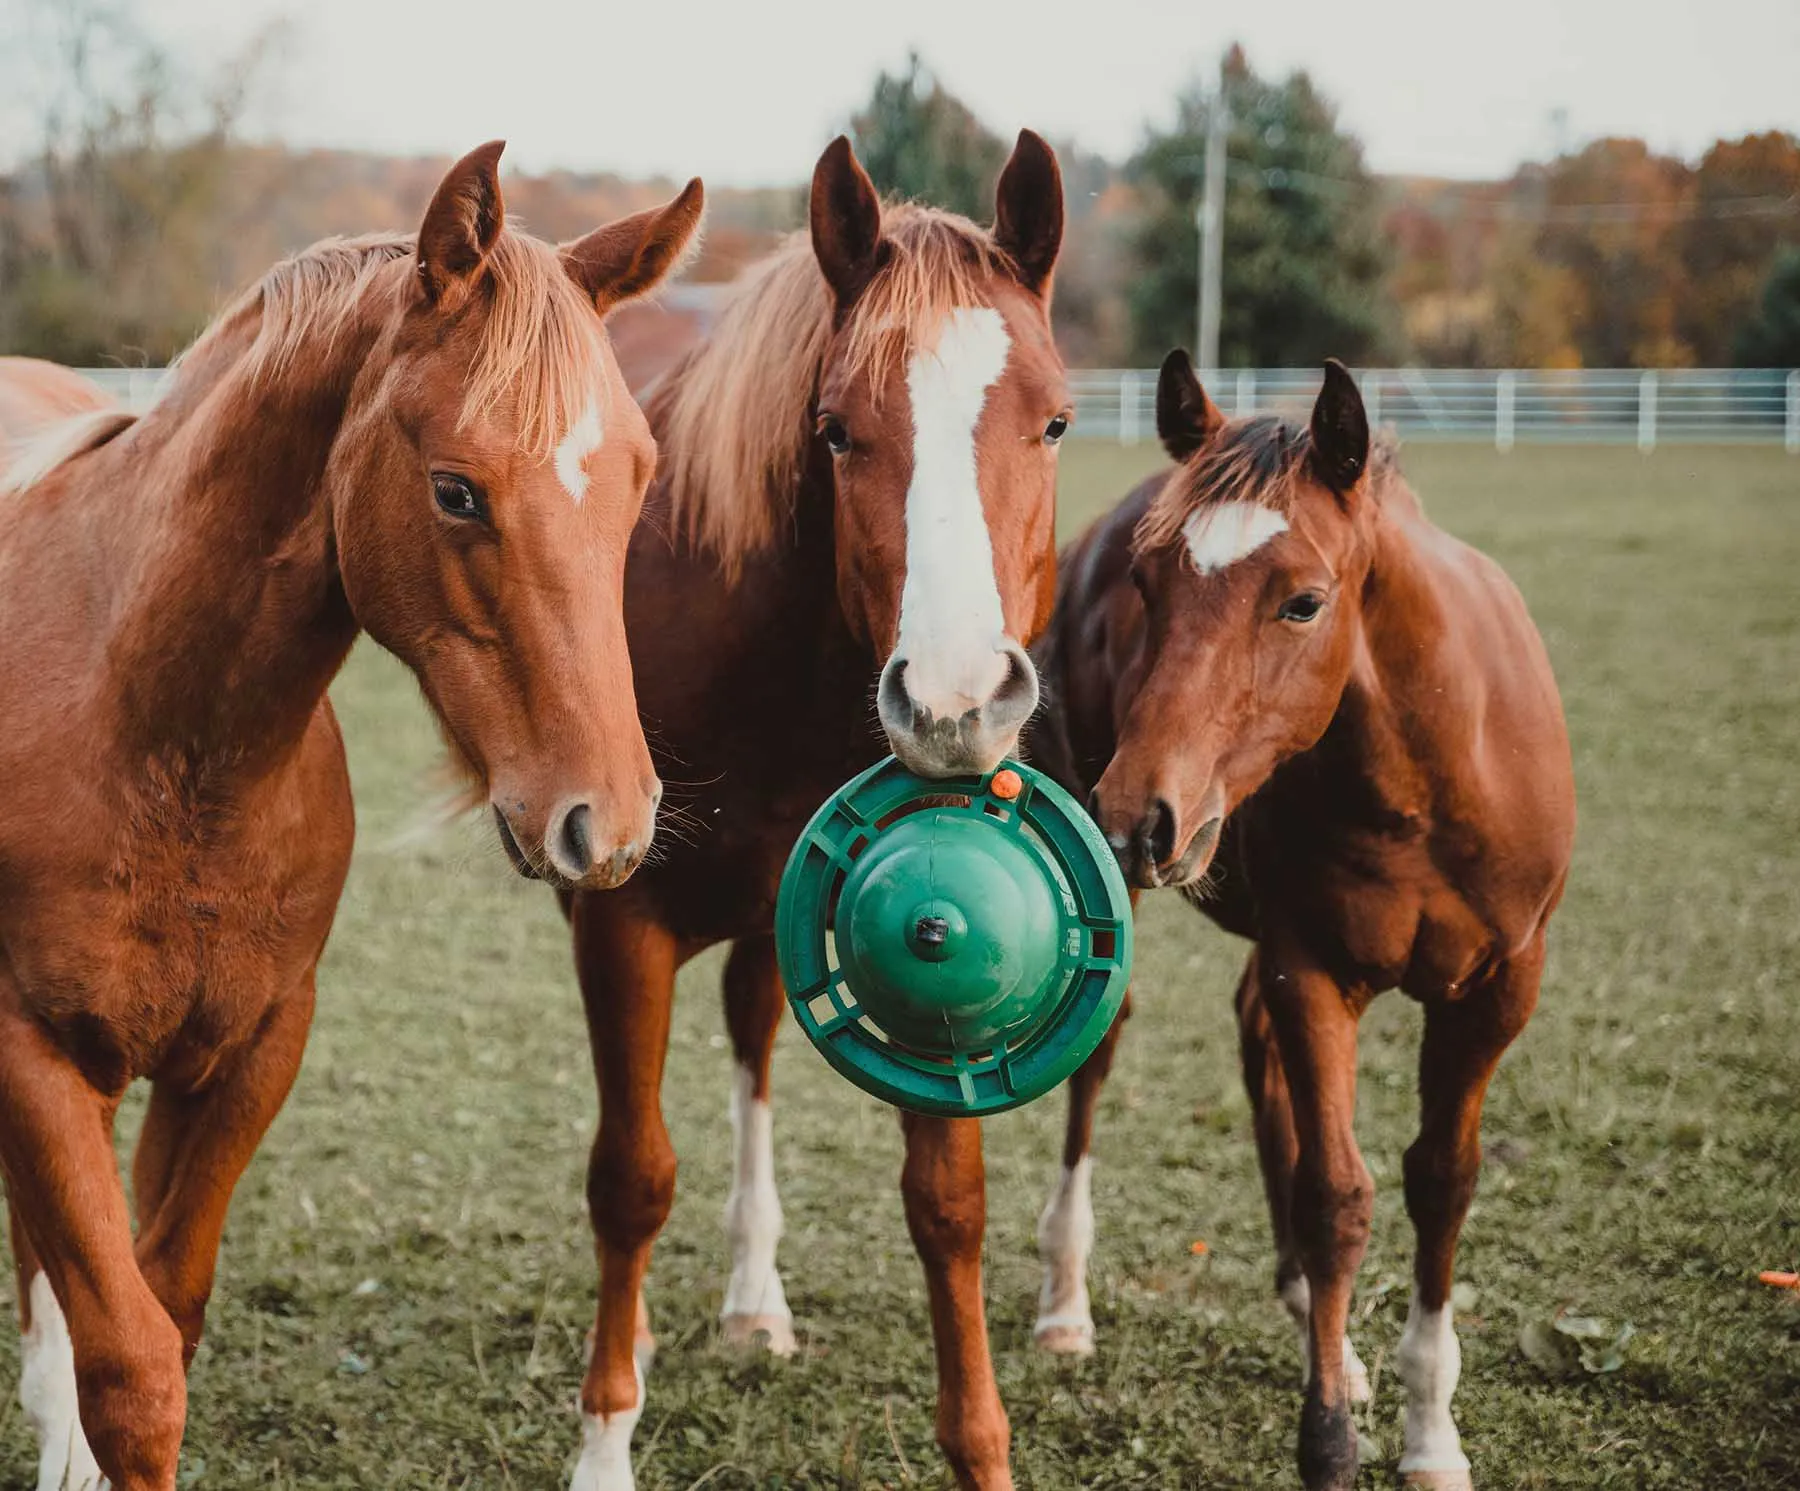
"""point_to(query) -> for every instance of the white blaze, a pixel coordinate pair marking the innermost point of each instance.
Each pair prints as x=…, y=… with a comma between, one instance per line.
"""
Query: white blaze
x=951, y=624
x=1065, y=1234
x=1217, y=537
x=1430, y=1361
x=754, y=1295
x=605, y=1463
x=47, y=1394
x=573, y=450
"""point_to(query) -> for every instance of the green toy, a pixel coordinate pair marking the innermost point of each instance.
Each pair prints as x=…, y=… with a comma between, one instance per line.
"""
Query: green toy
x=955, y=947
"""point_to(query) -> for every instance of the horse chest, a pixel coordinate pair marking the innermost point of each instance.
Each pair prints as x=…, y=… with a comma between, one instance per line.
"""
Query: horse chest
x=168, y=941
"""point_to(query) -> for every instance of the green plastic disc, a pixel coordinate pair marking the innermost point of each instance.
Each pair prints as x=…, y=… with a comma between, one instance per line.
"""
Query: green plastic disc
x=950, y=948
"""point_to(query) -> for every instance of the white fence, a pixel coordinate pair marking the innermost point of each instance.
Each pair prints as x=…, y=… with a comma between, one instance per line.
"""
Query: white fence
x=1517, y=406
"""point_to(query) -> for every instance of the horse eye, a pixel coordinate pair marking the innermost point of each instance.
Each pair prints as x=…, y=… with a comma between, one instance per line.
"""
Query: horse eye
x=1056, y=429
x=458, y=497
x=1303, y=607
x=837, y=438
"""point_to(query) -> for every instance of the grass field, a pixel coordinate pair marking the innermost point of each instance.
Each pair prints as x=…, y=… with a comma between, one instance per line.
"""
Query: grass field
x=408, y=1276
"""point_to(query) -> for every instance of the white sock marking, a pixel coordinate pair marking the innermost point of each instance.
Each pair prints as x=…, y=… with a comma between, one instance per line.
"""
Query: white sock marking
x=574, y=448
x=951, y=621
x=1065, y=1236
x=1430, y=1361
x=1219, y=536
x=1296, y=1294
x=605, y=1463
x=753, y=1215
x=47, y=1394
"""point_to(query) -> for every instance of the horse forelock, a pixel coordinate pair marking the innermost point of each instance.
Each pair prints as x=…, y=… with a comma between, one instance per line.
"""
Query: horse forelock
x=1259, y=461
x=734, y=414
x=541, y=343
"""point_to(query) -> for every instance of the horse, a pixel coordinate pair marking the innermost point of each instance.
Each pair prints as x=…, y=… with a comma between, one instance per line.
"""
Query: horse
x=35, y=394
x=1334, y=729
x=856, y=496
x=422, y=437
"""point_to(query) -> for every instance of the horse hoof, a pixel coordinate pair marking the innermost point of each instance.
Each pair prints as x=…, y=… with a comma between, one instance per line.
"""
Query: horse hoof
x=1437, y=1480
x=773, y=1333
x=1065, y=1340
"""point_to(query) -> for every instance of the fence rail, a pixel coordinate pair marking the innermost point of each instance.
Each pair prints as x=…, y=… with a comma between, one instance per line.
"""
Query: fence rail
x=1514, y=406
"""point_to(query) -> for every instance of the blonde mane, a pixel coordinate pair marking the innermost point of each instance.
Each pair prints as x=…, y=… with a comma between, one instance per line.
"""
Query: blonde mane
x=542, y=344
x=1258, y=460
x=732, y=417
x=73, y=435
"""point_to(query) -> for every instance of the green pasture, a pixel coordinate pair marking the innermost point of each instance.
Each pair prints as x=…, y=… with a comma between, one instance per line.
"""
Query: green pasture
x=408, y=1274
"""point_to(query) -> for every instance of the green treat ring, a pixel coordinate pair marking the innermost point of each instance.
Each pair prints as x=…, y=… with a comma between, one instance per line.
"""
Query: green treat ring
x=951, y=949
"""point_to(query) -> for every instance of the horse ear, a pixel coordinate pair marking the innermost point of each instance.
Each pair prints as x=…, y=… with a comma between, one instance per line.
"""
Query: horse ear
x=464, y=219
x=1185, y=418
x=846, y=222
x=1028, y=211
x=1340, y=430
x=633, y=256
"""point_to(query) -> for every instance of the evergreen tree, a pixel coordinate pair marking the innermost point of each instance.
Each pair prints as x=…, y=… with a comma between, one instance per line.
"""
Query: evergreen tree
x=917, y=140
x=1305, y=262
x=1772, y=338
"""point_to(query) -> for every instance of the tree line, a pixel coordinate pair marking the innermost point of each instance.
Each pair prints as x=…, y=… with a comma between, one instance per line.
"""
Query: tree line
x=137, y=209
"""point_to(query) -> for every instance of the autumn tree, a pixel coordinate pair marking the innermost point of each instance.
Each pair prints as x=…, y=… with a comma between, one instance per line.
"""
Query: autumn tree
x=1304, y=259
x=1746, y=209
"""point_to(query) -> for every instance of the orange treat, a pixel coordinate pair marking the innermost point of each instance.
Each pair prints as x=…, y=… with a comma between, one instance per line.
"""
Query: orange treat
x=1006, y=784
x=1777, y=1279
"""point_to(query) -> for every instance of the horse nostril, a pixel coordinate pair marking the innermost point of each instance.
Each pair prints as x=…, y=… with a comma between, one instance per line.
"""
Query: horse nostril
x=892, y=701
x=1017, y=696
x=577, y=839
x=1093, y=805
x=1157, y=834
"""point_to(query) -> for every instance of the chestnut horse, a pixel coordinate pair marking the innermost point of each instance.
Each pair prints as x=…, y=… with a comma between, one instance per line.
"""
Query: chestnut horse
x=34, y=395
x=856, y=495
x=1335, y=729
x=425, y=439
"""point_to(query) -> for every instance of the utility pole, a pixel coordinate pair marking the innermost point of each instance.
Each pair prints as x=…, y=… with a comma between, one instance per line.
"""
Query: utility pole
x=1210, y=218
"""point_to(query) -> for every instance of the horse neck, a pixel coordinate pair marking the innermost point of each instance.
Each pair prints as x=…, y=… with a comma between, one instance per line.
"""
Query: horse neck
x=1396, y=656
x=230, y=621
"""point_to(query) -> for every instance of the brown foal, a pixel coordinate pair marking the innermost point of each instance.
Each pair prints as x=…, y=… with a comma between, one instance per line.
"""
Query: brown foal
x=1335, y=729
x=857, y=494
x=427, y=439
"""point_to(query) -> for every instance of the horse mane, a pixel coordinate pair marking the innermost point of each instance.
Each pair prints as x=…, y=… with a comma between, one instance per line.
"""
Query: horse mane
x=731, y=417
x=1259, y=459
x=541, y=344
x=61, y=441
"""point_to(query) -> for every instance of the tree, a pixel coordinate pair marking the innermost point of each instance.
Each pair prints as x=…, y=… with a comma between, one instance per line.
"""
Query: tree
x=1746, y=209
x=111, y=234
x=1772, y=338
x=920, y=141
x=1304, y=259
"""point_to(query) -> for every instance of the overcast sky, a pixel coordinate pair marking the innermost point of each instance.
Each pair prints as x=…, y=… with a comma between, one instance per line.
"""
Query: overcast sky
x=747, y=93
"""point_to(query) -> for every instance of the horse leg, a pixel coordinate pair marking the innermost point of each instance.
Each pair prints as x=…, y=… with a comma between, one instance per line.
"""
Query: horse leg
x=1464, y=1040
x=1331, y=1196
x=47, y=1373
x=627, y=967
x=192, y=1152
x=100, y=1352
x=1065, y=1229
x=755, y=1306
x=1276, y=1148
x=944, y=1187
